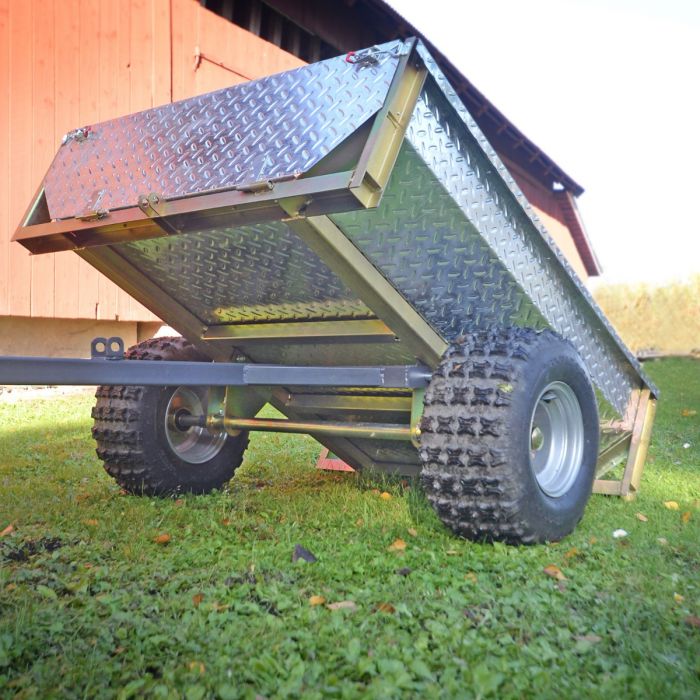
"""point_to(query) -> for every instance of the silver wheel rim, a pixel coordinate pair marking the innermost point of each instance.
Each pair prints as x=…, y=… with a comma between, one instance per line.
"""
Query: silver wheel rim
x=556, y=439
x=194, y=445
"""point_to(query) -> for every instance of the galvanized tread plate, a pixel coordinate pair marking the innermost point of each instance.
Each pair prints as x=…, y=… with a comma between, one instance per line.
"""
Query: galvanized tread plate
x=272, y=128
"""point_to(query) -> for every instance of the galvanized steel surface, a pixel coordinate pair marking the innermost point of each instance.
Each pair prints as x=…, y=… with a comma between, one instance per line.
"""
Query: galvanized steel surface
x=272, y=128
x=420, y=240
x=252, y=273
x=462, y=160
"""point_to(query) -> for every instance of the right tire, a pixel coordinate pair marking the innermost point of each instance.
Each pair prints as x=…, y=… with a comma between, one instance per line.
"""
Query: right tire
x=509, y=437
x=138, y=438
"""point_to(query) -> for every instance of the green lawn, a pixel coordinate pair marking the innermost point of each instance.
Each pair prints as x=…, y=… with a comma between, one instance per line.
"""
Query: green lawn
x=92, y=606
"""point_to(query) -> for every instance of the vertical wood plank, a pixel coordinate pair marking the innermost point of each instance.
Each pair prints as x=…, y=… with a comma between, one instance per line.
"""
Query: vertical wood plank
x=162, y=55
x=89, y=86
x=43, y=111
x=185, y=20
x=20, y=165
x=141, y=32
x=67, y=117
x=5, y=231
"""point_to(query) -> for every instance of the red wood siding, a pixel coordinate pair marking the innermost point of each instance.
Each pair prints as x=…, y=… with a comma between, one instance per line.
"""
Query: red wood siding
x=548, y=208
x=68, y=63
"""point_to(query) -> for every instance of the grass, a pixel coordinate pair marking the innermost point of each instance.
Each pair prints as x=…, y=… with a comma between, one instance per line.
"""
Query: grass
x=92, y=606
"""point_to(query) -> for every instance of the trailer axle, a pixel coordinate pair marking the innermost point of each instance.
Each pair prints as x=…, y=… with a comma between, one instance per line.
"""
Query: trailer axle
x=366, y=431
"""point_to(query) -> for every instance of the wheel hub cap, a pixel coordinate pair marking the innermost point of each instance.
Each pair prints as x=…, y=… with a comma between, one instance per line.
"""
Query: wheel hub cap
x=556, y=439
x=194, y=445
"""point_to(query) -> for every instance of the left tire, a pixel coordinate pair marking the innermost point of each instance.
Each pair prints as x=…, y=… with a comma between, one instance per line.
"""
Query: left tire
x=140, y=442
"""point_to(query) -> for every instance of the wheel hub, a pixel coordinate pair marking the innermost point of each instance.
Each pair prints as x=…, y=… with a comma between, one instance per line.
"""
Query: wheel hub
x=195, y=444
x=556, y=439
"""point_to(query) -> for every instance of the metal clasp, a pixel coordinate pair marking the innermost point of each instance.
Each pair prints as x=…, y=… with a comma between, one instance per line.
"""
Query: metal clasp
x=95, y=211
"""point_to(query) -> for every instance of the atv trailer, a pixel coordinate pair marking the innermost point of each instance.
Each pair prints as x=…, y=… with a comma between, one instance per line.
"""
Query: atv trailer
x=341, y=241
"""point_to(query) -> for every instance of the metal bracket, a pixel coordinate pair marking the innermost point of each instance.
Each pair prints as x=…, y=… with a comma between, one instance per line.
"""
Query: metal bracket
x=111, y=348
x=416, y=414
x=153, y=206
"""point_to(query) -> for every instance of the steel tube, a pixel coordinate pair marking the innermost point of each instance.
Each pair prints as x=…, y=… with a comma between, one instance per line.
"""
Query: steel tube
x=76, y=372
x=367, y=431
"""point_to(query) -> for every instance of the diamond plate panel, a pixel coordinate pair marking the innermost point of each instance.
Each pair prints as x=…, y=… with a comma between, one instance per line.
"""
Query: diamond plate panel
x=270, y=128
x=476, y=181
x=420, y=239
x=245, y=275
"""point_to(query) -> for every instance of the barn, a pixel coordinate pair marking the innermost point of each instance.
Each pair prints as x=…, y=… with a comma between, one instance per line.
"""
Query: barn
x=71, y=63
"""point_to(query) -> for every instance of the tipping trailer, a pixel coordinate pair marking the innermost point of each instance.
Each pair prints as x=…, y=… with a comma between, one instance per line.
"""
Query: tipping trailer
x=341, y=241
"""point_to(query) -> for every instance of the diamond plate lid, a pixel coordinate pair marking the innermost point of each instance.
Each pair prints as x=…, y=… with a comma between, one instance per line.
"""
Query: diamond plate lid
x=273, y=128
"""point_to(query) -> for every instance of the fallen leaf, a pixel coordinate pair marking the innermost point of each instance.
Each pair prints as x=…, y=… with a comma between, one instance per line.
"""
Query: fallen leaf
x=317, y=600
x=303, y=554
x=82, y=497
x=592, y=539
x=678, y=597
x=197, y=599
x=671, y=505
x=642, y=517
x=359, y=522
x=452, y=552
x=385, y=608
x=617, y=534
x=197, y=666
x=692, y=620
x=397, y=545
x=590, y=638
x=685, y=518
x=179, y=502
x=118, y=650
x=554, y=572
x=7, y=531
x=573, y=552
x=91, y=522
x=163, y=538
x=385, y=496
x=10, y=587
x=220, y=607
x=226, y=522
x=342, y=605
x=412, y=532
x=687, y=412
x=471, y=576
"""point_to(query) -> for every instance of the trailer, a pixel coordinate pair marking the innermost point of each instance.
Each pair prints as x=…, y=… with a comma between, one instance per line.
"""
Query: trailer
x=342, y=242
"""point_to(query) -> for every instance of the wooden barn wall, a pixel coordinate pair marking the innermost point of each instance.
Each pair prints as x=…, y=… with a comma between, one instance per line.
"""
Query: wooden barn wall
x=548, y=209
x=68, y=63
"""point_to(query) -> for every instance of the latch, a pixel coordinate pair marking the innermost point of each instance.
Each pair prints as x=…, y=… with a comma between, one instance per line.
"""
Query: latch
x=95, y=210
x=81, y=134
